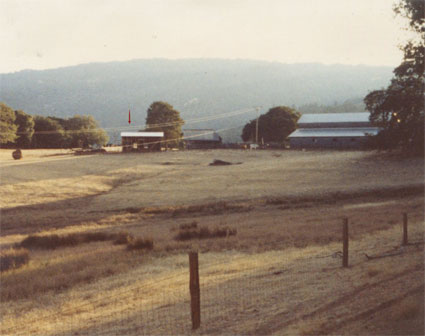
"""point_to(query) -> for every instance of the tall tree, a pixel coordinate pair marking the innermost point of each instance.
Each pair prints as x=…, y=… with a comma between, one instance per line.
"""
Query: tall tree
x=274, y=126
x=399, y=109
x=7, y=124
x=25, y=125
x=83, y=131
x=163, y=117
x=48, y=133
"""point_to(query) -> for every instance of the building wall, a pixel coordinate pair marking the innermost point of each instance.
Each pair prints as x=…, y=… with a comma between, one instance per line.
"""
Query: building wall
x=138, y=144
x=325, y=142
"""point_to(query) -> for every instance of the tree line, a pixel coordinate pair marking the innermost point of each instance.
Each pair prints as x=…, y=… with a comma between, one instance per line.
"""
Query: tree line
x=21, y=130
x=350, y=105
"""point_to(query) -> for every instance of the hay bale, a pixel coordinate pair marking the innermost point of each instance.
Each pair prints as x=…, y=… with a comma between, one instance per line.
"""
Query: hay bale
x=17, y=154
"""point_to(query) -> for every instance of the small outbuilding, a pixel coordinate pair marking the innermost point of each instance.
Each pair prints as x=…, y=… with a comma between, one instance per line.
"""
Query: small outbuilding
x=332, y=130
x=201, y=139
x=141, y=141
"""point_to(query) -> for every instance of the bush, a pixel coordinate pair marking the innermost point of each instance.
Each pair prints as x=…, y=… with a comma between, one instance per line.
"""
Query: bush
x=94, y=236
x=13, y=258
x=188, y=226
x=47, y=242
x=188, y=233
x=211, y=208
x=54, y=241
x=133, y=210
x=204, y=232
x=123, y=238
x=140, y=244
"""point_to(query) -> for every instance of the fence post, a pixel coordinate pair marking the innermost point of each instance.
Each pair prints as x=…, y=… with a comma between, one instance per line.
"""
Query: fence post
x=345, y=243
x=405, y=228
x=195, y=293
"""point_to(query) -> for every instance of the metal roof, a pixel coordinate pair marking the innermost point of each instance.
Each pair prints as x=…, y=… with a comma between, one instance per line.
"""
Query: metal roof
x=143, y=134
x=334, y=118
x=200, y=134
x=334, y=132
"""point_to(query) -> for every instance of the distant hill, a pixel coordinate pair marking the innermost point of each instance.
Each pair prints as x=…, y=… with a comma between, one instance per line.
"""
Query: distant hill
x=350, y=105
x=199, y=88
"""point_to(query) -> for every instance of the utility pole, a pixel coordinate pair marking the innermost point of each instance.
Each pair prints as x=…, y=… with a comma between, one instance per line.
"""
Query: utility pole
x=256, y=126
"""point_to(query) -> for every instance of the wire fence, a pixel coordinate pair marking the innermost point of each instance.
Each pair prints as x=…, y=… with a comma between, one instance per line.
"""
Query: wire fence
x=240, y=288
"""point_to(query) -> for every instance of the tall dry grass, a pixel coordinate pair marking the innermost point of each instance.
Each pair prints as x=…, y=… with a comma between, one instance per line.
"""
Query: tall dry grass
x=192, y=231
x=13, y=258
x=61, y=273
x=55, y=241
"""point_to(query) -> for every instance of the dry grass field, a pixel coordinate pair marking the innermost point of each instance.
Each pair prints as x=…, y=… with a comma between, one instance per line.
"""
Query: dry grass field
x=279, y=273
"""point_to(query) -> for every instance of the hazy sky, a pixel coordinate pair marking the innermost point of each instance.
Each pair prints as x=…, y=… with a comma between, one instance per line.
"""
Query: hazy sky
x=41, y=34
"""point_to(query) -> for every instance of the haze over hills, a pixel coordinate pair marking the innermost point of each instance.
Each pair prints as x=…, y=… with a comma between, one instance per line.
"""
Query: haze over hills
x=198, y=88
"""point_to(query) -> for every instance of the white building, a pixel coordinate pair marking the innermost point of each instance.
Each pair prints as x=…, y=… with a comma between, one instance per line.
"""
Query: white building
x=332, y=130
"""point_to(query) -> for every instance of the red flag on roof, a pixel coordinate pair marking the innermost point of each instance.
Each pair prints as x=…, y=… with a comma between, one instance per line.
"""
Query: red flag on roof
x=129, y=117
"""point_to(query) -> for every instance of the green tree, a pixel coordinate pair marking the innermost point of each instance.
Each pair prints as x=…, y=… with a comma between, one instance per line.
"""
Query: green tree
x=25, y=125
x=48, y=133
x=7, y=124
x=83, y=131
x=163, y=117
x=274, y=126
x=399, y=109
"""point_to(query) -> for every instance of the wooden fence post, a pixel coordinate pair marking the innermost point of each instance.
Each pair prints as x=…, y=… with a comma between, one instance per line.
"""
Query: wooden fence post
x=345, y=243
x=405, y=240
x=195, y=293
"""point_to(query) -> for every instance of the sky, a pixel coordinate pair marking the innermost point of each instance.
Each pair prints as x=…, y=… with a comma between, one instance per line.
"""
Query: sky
x=43, y=34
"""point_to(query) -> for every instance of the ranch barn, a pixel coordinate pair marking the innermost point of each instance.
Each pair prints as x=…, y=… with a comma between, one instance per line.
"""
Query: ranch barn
x=141, y=141
x=201, y=139
x=332, y=130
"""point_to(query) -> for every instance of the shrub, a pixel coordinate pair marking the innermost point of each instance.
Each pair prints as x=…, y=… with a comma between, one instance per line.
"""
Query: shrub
x=47, y=242
x=211, y=208
x=133, y=210
x=204, y=232
x=13, y=258
x=123, y=238
x=186, y=235
x=140, y=244
x=188, y=226
x=88, y=237
x=54, y=241
x=223, y=232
